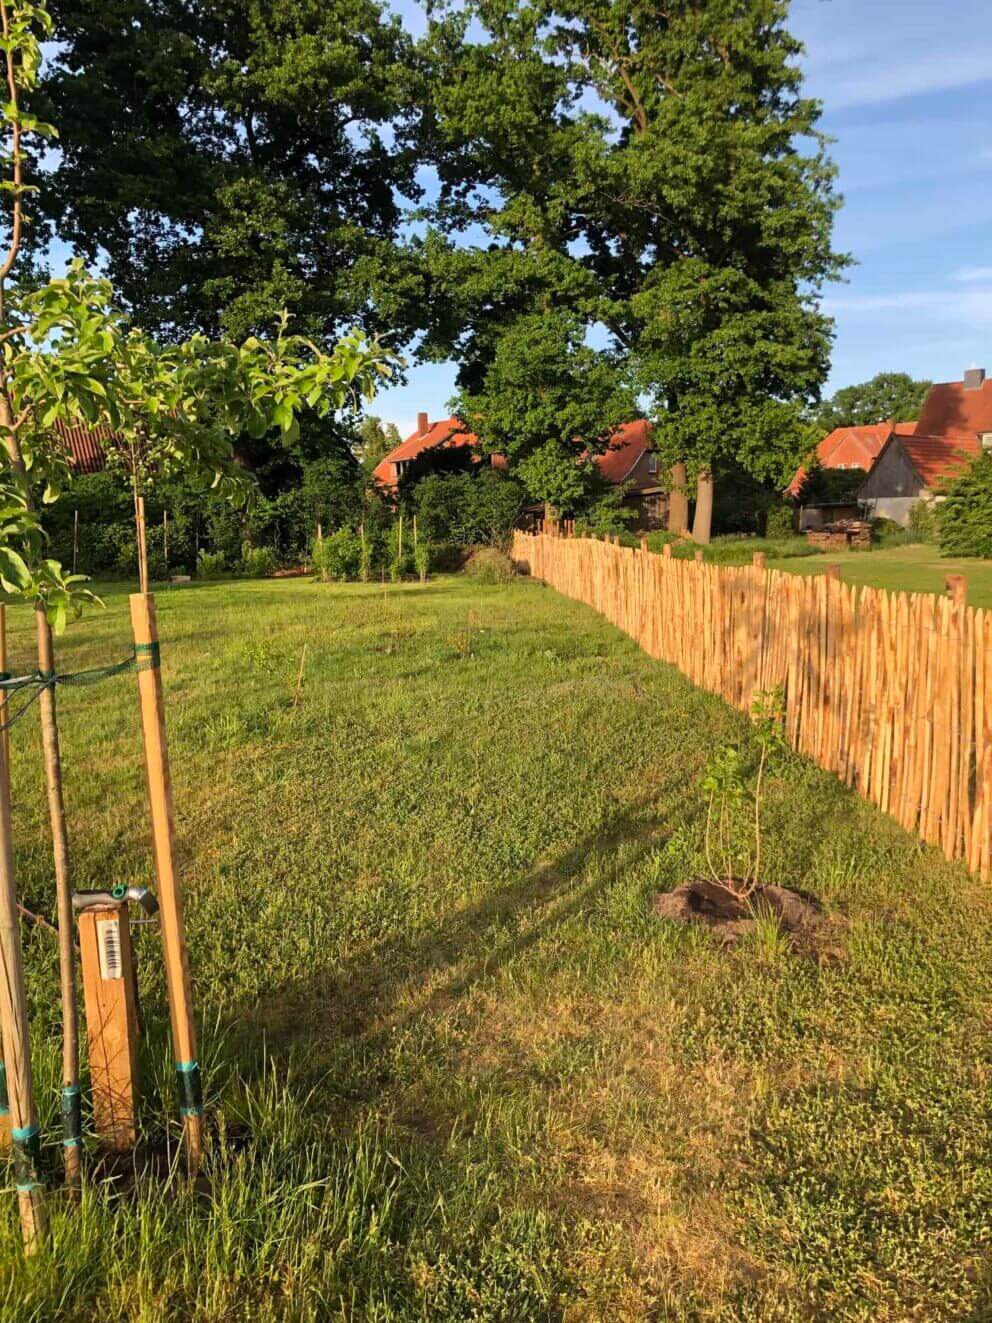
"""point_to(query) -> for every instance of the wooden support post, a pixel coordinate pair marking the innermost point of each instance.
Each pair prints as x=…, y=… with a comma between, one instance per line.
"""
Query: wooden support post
x=72, y=1137
x=832, y=571
x=4, y=731
x=644, y=545
x=759, y=560
x=667, y=549
x=699, y=557
x=110, y=997
x=17, y=1041
x=142, y=544
x=5, y=755
x=169, y=891
x=957, y=588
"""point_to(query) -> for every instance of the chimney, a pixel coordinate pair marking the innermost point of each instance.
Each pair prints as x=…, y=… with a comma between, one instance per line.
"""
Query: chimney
x=973, y=378
x=423, y=426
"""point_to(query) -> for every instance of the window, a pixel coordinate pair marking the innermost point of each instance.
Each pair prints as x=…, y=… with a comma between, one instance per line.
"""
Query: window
x=986, y=440
x=652, y=462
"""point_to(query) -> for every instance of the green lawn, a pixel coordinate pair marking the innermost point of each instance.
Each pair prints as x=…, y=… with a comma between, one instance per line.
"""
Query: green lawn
x=910, y=569
x=481, y=1081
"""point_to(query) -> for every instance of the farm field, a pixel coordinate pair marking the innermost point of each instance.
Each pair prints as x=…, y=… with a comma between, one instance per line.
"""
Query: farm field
x=460, y=1071
x=909, y=569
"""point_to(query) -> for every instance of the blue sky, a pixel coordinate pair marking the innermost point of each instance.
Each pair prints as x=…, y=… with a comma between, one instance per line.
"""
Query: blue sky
x=907, y=93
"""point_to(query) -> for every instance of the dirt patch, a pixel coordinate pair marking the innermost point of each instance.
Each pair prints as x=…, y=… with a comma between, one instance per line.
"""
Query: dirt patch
x=707, y=903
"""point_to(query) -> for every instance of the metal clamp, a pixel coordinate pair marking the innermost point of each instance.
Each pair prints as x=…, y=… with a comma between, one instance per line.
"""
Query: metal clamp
x=119, y=895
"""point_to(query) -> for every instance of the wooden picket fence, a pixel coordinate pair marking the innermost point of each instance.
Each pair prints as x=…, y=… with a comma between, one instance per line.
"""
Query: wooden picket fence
x=892, y=691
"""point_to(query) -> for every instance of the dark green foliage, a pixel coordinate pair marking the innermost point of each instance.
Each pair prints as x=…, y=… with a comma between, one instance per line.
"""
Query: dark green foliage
x=548, y=402
x=830, y=486
x=889, y=395
x=607, y=514
x=780, y=520
x=964, y=517
x=338, y=555
x=231, y=160
x=467, y=508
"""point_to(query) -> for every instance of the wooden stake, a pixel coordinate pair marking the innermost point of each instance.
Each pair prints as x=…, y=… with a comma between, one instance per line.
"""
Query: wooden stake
x=142, y=543
x=176, y=957
x=165, y=540
x=832, y=571
x=17, y=1040
x=75, y=539
x=759, y=560
x=957, y=588
x=107, y=961
x=63, y=897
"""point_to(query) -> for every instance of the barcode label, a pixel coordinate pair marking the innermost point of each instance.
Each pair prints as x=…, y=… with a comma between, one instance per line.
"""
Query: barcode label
x=108, y=936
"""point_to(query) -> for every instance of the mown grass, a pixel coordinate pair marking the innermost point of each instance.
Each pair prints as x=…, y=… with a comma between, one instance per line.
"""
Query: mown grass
x=918, y=568
x=480, y=1080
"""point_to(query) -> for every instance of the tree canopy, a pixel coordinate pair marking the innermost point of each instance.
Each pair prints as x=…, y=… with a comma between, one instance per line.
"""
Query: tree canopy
x=888, y=395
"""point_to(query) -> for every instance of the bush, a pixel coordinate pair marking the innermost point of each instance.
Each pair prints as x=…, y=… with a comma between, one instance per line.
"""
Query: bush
x=211, y=565
x=923, y=522
x=422, y=559
x=964, y=517
x=468, y=508
x=780, y=521
x=489, y=566
x=338, y=556
x=607, y=515
x=257, y=562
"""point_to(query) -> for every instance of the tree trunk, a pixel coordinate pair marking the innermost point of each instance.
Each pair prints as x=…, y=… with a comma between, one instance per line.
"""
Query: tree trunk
x=63, y=896
x=702, y=524
x=678, y=500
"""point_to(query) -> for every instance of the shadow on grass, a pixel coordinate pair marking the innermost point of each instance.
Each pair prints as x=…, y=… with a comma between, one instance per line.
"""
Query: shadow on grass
x=399, y=981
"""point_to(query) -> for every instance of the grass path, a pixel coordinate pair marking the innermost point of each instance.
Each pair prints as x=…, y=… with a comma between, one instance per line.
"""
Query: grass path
x=480, y=1080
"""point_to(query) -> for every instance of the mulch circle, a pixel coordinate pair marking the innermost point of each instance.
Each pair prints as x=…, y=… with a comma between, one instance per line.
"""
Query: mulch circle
x=715, y=907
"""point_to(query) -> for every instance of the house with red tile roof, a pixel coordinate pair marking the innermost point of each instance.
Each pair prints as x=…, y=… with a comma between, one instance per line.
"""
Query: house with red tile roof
x=446, y=445
x=854, y=448
x=955, y=425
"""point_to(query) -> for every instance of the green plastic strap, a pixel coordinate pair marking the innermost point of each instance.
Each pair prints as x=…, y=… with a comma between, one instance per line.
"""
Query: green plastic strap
x=98, y=673
x=148, y=656
x=4, y=1096
x=72, y=1117
x=27, y=1158
x=190, y=1093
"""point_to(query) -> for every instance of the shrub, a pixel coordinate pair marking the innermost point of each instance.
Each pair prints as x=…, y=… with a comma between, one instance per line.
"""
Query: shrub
x=210, y=565
x=780, y=521
x=923, y=522
x=964, y=517
x=607, y=515
x=257, y=562
x=422, y=559
x=487, y=565
x=479, y=507
x=339, y=555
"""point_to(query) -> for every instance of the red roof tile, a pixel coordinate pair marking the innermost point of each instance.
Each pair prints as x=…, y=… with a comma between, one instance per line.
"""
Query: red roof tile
x=624, y=452
x=938, y=457
x=449, y=433
x=85, y=446
x=951, y=410
x=847, y=448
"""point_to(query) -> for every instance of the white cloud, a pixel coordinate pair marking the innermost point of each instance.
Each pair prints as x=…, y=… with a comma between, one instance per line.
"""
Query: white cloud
x=961, y=309
x=972, y=273
x=932, y=72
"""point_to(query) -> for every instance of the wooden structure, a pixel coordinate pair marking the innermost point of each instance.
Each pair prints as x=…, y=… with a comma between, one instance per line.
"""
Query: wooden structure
x=892, y=691
x=111, y=1002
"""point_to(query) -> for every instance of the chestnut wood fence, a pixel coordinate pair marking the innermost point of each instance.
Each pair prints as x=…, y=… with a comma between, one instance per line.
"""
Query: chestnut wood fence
x=892, y=691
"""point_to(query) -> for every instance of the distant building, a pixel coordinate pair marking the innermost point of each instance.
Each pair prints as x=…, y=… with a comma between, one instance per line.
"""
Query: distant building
x=954, y=426
x=447, y=446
